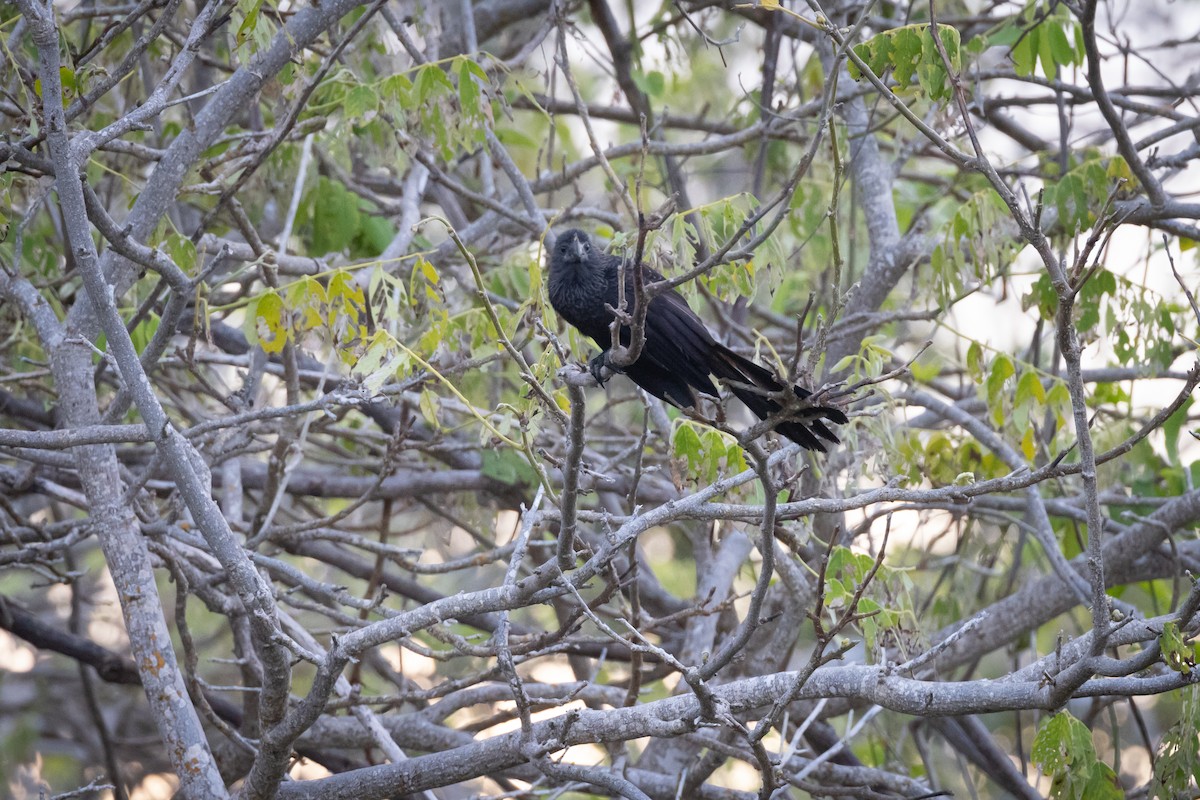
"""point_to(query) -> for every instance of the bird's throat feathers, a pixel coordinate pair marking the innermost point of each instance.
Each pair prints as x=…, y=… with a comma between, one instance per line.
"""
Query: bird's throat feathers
x=577, y=281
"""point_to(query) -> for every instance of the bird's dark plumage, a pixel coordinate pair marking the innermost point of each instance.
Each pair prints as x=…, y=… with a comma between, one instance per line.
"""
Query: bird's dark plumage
x=680, y=357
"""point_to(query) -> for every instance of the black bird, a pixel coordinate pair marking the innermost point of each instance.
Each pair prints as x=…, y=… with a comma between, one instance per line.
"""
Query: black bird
x=680, y=356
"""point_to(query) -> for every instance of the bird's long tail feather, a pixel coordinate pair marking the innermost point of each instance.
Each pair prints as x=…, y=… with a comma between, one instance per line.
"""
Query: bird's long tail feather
x=751, y=383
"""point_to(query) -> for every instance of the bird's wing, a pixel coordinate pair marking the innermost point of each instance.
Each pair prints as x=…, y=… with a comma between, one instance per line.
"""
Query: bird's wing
x=676, y=339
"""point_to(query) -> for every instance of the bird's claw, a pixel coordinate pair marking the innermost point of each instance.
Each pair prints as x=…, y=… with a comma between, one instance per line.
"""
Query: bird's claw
x=600, y=369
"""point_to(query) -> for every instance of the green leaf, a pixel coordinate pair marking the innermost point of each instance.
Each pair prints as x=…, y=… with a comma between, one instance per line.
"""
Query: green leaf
x=361, y=103
x=1046, y=50
x=686, y=444
x=1049, y=36
x=1062, y=52
x=655, y=83
x=182, y=252
x=975, y=244
x=1029, y=389
x=252, y=12
x=344, y=291
x=1084, y=188
x=508, y=466
x=1063, y=749
x=735, y=458
x=1059, y=400
x=975, y=361
x=1006, y=35
x=256, y=28
x=396, y=90
x=428, y=404
x=1172, y=428
x=1178, y=763
x=1024, y=53
x=144, y=331
x=910, y=52
x=925, y=369
x=468, y=94
x=379, y=362
x=335, y=217
x=1002, y=370
x=426, y=83
x=374, y=235
x=514, y=137
x=1176, y=653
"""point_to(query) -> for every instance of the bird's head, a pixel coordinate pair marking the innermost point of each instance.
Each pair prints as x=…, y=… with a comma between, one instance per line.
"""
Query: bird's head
x=573, y=247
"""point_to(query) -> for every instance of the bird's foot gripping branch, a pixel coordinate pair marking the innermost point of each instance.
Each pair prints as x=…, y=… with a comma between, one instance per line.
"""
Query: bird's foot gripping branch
x=601, y=369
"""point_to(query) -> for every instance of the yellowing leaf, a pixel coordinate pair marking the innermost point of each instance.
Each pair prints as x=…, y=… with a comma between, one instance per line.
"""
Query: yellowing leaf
x=265, y=323
x=429, y=409
x=1028, y=446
